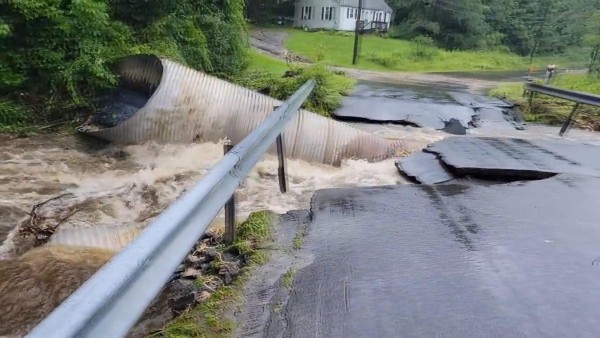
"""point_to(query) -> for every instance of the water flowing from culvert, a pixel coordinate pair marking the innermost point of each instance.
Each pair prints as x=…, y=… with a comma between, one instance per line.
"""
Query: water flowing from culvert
x=118, y=190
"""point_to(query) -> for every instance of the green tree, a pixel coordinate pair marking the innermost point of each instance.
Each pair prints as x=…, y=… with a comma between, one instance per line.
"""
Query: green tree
x=526, y=27
x=592, y=39
x=70, y=44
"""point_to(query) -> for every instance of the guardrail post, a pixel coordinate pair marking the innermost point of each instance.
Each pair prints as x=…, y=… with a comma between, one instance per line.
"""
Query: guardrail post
x=569, y=120
x=283, y=183
x=229, y=210
x=530, y=101
x=281, y=171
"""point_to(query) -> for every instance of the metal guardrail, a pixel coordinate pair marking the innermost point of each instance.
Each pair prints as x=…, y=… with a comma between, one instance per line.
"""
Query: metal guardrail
x=577, y=97
x=585, y=98
x=110, y=303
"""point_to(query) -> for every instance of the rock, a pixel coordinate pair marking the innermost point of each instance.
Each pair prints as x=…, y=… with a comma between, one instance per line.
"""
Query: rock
x=193, y=259
x=205, y=267
x=229, y=270
x=211, y=252
x=181, y=303
x=183, y=295
x=229, y=257
x=191, y=273
x=183, y=286
x=202, y=296
x=227, y=278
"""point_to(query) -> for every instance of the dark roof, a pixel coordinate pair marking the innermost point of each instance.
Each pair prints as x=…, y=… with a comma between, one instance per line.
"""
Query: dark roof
x=378, y=5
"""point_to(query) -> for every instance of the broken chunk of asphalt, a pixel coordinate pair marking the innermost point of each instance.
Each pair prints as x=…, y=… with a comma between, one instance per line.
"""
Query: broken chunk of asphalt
x=452, y=112
x=502, y=159
x=424, y=168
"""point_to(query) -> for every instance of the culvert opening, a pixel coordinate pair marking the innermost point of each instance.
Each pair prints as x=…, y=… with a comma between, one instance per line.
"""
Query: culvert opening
x=139, y=77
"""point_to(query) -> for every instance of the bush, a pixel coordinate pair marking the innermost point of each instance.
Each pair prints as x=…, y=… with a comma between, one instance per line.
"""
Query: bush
x=12, y=114
x=424, y=48
x=325, y=98
x=70, y=45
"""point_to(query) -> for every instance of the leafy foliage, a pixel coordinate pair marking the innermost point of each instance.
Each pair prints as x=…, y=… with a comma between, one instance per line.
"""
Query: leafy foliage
x=55, y=55
x=325, y=98
x=592, y=39
x=544, y=26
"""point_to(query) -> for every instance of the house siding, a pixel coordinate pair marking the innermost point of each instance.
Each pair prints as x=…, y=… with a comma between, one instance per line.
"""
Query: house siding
x=315, y=20
x=340, y=19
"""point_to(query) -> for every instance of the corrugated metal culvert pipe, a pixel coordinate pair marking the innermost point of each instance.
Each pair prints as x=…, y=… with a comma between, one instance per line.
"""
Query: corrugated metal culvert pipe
x=182, y=105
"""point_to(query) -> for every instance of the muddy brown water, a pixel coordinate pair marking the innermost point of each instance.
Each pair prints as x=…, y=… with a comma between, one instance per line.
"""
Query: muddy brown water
x=118, y=187
x=121, y=189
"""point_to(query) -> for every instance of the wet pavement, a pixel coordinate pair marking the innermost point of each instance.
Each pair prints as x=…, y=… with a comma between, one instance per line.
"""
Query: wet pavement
x=507, y=159
x=444, y=107
x=509, y=260
x=425, y=168
x=500, y=239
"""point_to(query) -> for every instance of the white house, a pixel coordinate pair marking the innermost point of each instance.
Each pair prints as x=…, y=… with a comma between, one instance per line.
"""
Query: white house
x=342, y=14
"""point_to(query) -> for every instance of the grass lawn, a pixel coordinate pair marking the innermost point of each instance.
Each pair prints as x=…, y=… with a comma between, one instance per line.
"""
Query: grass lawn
x=378, y=53
x=263, y=62
x=554, y=111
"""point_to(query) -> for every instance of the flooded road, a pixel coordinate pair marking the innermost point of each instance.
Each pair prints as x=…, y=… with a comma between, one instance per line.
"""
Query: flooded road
x=69, y=189
x=433, y=97
x=122, y=189
x=73, y=182
x=446, y=108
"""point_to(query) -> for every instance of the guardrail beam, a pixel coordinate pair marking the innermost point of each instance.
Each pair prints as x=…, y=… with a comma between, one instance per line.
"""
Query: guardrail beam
x=577, y=97
x=114, y=298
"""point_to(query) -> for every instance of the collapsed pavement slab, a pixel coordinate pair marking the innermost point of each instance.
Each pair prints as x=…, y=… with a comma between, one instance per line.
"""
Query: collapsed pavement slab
x=514, y=158
x=478, y=101
x=505, y=159
x=509, y=260
x=424, y=168
x=452, y=112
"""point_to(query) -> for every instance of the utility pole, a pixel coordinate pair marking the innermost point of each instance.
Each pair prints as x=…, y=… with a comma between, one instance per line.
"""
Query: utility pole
x=357, y=33
x=539, y=33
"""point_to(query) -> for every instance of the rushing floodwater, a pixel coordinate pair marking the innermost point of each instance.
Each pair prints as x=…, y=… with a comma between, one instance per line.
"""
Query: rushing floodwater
x=122, y=189
x=126, y=187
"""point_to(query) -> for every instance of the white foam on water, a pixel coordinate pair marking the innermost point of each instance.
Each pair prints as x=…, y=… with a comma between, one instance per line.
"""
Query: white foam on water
x=122, y=196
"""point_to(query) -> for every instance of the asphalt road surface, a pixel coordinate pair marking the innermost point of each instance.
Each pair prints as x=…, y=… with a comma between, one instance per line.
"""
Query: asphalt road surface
x=507, y=159
x=455, y=260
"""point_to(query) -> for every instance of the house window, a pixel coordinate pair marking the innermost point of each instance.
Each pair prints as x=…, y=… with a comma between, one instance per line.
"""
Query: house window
x=350, y=13
x=306, y=13
x=326, y=13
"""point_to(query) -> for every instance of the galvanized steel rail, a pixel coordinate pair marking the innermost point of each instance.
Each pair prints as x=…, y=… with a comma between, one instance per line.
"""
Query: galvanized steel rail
x=577, y=97
x=585, y=98
x=112, y=300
